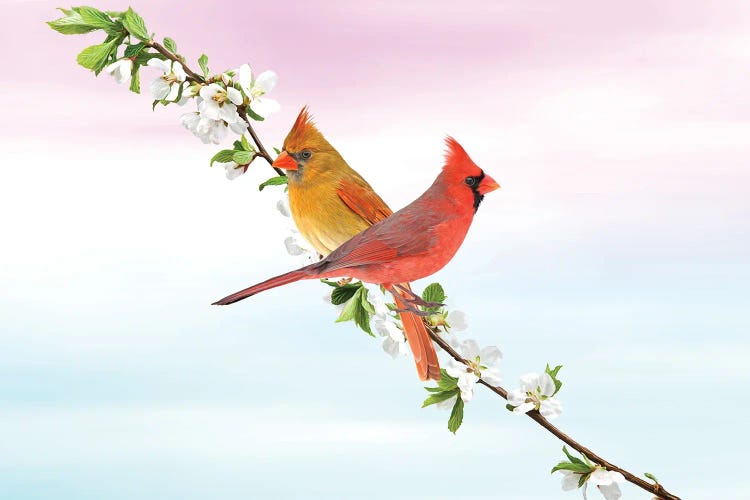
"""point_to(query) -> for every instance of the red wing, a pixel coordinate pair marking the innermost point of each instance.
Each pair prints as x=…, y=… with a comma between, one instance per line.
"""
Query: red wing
x=406, y=233
x=363, y=200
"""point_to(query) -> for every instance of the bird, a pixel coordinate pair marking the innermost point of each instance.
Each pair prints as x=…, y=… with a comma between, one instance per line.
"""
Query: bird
x=410, y=244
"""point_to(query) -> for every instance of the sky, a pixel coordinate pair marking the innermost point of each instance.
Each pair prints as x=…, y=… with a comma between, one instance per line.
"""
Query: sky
x=618, y=246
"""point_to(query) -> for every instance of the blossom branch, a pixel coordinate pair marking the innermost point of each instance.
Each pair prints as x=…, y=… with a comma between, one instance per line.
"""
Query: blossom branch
x=196, y=78
x=655, y=488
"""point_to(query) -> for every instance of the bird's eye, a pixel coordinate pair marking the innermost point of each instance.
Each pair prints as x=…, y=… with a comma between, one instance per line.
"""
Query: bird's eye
x=470, y=181
x=306, y=154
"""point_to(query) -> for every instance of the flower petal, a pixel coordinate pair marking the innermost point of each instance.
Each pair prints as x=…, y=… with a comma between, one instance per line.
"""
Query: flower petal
x=234, y=95
x=611, y=491
x=233, y=171
x=546, y=384
x=266, y=81
x=516, y=397
x=550, y=408
x=264, y=106
x=529, y=382
x=570, y=480
x=457, y=321
x=523, y=408
x=490, y=355
x=164, y=66
x=245, y=77
x=470, y=349
x=492, y=376
x=159, y=89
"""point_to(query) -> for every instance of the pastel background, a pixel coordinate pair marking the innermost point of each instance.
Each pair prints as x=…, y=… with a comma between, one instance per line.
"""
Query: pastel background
x=618, y=246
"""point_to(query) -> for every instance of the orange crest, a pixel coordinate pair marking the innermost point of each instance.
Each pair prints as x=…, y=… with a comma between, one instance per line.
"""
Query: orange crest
x=304, y=133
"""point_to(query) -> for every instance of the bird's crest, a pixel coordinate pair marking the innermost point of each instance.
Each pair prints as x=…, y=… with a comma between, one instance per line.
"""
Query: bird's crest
x=456, y=158
x=304, y=133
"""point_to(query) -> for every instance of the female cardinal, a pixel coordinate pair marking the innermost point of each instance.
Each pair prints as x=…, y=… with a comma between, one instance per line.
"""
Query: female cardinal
x=415, y=242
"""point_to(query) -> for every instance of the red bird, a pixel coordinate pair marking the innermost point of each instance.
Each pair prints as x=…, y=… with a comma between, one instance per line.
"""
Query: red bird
x=415, y=242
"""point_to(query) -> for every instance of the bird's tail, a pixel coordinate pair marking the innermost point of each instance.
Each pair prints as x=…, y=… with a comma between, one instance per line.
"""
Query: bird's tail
x=303, y=273
x=420, y=343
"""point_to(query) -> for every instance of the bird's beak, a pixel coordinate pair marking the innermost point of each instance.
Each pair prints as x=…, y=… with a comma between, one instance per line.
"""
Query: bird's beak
x=285, y=161
x=487, y=185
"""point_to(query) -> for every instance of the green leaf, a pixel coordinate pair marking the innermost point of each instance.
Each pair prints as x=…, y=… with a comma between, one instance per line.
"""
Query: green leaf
x=135, y=24
x=245, y=145
x=433, y=293
x=95, y=57
x=135, y=80
x=71, y=24
x=553, y=376
x=94, y=17
x=144, y=57
x=439, y=397
x=223, y=156
x=577, y=468
x=366, y=304
x=353, y=310
x=342, y=294
x=278, y=151
x=274, y=181
x=243, y=157
x=134, y=50
x=457, y=416
x=170, y=45
x=573, y=459
x=583, y=479
x=203, y=62
x=252, y=114
x=651, y=477
x=446, y=382
x=510, y=407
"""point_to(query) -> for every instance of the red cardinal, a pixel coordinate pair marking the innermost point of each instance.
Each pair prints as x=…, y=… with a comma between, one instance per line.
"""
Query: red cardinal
x=415, y=242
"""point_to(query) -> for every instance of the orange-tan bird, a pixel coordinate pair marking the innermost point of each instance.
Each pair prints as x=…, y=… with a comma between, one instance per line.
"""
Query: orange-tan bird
x=330, y=203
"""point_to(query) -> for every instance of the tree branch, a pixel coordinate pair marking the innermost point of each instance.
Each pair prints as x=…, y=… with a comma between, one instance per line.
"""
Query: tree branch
x=655, y=488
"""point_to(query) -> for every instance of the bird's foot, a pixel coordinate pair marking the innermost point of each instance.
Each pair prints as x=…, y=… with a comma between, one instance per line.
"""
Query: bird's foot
x=344, y=281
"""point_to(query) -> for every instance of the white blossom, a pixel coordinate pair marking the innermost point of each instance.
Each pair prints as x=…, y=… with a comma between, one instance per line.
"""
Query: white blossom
x=605, y=480
x=218, y=103
x=536, y=393
x=456, y=321
x=481, y=365
x=233, y=170
x=120, y=70
x=394, y=342
x=167, y=86
x=208, y=131
x=256, y=88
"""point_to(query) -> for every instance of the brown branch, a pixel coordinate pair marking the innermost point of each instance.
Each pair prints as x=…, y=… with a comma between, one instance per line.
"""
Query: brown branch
x=196, y=78
x=655, y=488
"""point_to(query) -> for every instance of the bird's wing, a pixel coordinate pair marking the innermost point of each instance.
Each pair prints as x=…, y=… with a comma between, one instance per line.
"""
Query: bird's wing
x=406, y=233
x=362, y=200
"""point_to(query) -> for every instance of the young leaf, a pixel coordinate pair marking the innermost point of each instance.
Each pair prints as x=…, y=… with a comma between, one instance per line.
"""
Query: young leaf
x=361, y=314
x=135, y=79
x=94, y=17
x=223, y=156
x=342, y=294
x=573, y=459
x=243, y=157
x=252, y=114
x=553, y=375
x=577, y=468
x=170, y=45
x=433, y=293
x=651, y=477
x=446, y=382
x=135, y=24
x=95, y=57
x=203, y=62
x=274, y=181
x=366, y=304
x=71, y=24
x=348, y=312
x=278, y=151
x=245, y=145
x=439, y=397
x=457, y=415
x=134, y=50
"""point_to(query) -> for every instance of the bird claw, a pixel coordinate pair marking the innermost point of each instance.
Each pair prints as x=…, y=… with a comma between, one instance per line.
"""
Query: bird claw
x=414, y=310
x=344, y=281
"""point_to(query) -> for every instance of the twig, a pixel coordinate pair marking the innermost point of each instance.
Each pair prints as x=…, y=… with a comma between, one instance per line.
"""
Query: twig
x=196, y=78
x=655, y=488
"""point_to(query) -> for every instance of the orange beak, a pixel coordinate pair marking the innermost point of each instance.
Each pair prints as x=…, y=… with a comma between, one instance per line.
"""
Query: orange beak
x=285, y=161
x=487, y=185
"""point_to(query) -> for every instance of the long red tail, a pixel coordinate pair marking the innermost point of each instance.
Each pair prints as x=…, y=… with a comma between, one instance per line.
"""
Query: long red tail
x=420, y=343
x=284, y=279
